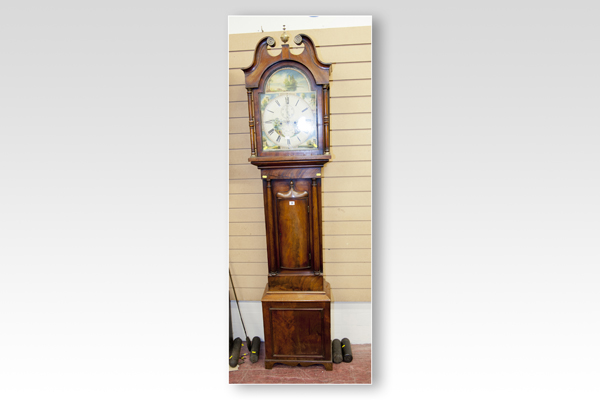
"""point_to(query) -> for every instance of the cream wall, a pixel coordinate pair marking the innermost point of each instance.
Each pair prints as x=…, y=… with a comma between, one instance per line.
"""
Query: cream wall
x=346, y=184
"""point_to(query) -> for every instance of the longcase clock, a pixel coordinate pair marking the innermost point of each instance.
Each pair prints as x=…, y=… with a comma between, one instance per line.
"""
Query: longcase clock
x=288, y=104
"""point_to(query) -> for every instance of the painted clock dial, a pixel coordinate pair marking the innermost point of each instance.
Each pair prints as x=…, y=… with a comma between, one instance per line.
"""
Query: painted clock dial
x=288, y=112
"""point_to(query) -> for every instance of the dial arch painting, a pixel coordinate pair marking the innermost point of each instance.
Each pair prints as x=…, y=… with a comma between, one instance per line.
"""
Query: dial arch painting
x=287, y=79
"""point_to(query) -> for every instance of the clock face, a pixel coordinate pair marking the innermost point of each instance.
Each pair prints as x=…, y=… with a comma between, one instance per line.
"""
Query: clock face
x=288, y=112
x=288, y=123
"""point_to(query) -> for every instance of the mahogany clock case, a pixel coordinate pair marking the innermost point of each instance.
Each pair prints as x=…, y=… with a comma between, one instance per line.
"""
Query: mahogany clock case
x=296, y=302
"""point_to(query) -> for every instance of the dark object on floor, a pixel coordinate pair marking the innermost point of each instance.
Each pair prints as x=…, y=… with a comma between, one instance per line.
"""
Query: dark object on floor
x=235, y=353
x=255, y=349
x=346, y=350
x=336, y=349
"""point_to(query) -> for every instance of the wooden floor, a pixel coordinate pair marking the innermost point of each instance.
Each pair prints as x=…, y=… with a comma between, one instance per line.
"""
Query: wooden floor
x=356, y=372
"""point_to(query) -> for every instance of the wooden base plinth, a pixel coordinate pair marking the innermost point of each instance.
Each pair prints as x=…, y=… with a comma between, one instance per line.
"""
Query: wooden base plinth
x=297, y=327
x=327, y=364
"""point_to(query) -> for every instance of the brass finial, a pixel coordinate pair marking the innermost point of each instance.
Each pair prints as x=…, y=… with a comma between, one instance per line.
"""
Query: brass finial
x=284, y=37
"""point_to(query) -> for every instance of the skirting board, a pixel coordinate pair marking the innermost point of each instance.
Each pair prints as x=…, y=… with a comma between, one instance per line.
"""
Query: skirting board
x=350, y=320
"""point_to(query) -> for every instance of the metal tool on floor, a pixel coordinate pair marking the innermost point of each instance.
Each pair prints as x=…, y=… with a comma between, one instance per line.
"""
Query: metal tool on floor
x=336, y=350
x=346, y=350
x=341, y=350
x=255, y=349
x=235, y=352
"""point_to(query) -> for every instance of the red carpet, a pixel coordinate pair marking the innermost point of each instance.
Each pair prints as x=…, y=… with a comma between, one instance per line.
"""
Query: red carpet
x=357, y=371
